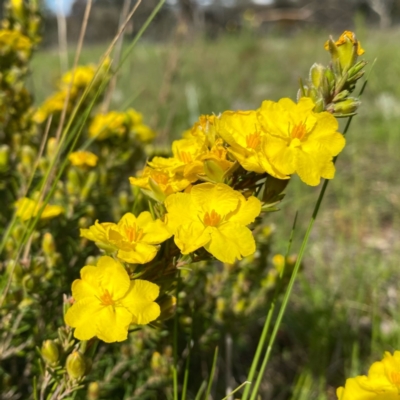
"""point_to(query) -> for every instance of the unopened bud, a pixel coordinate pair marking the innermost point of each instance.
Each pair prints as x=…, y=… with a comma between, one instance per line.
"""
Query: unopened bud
x=168, y=307
x=317, y=74
x=76, y=365
x=123, y=200
x=51, y=149
x=344, y=108
x=4, y=156
x=157, y=194
x=93, y=392
x=50, y=352
x=48, y=244
x=273, y=189
x=73, y=182
x=156, y=361
x=214, y=171
x=27, y=156
x=90, y=181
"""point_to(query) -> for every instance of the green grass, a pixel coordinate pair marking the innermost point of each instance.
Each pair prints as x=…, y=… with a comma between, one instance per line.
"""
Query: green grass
x=346, y=297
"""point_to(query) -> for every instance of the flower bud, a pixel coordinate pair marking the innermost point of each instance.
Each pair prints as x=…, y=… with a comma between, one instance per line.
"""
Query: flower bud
x=317, y=74
x=123, y=200
x=90, y=181
x=48, y=244
x=76, y=365
x=50, y=352
x=345, y=107
x=273, y=189
x=4, y=156
x=93, y=392
x=157, y=194
x=27, y=156
x=213, y=171
x=73, y=183
x=167, y=306
x=51, y=149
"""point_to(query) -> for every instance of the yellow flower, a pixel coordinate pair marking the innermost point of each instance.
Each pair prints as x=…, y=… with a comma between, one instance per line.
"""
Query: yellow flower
x=298, y=140
x=158, y=183
x=82, y=76
x=104, y=126
x=53, y=104
x=83, y=158
x=213, y=216
x=107, y=302
x=16, y=41
x=28, y=208
x=143, y=133
x=243, y=132
x=382, y=382
x=135, y=238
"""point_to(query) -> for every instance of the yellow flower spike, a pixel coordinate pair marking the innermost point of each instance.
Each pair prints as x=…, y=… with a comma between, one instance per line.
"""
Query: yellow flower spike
x=83, y=159
x=135, y=238
x=382, y=382
x=107, y=302
x=298, y=140
x=213, y=216
x=28, y=208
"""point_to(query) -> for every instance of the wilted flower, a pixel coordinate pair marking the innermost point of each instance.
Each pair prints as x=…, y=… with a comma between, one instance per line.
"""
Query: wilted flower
x=213, y=216
x=107, y=302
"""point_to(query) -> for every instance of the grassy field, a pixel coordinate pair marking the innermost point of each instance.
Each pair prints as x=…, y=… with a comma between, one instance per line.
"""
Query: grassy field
x=347, y=296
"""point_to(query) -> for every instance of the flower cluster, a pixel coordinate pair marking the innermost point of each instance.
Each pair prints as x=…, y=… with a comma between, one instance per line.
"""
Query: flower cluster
x=381, y=383
x=208, y=195
x=72, y=86
x=120, y=124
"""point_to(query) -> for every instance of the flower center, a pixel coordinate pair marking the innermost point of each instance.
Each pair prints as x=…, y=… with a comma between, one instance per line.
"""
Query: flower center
x=299, y=131
x=133, y=234
x=160, y=178
x=186, y=157
x=395, y=378
x=106, y=298
x=212, y=218
x=253, y=140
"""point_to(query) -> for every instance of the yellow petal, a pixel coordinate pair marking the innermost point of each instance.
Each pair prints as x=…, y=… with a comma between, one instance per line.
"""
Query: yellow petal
x=113, y=277
x=220, y=197
x=353, y=391
x=175, y=204
x=247, y=212
x=140, y=301
x=191, y=237
x=231, y=242
x=88, y=285
x=113, y=323
x=81, y=316
x=141, y=254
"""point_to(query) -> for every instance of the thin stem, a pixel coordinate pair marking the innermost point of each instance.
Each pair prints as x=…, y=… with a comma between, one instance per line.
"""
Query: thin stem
x=211, y=379
x=291, y=282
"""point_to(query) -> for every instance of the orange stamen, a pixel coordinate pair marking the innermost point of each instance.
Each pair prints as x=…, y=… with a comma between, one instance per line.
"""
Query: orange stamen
x=106, y=298
x=253, y=140
x=299, y=131
x=211, y=219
